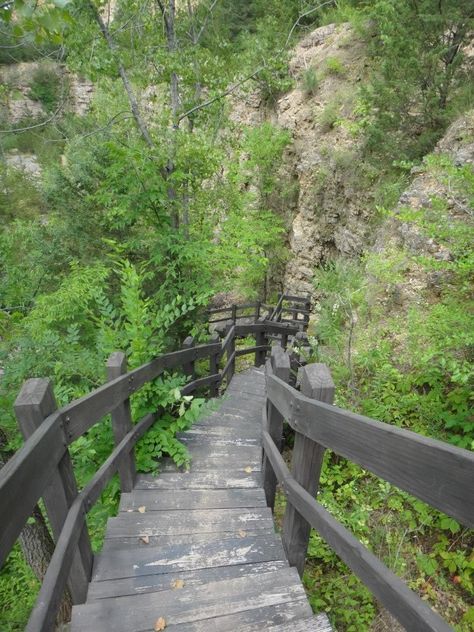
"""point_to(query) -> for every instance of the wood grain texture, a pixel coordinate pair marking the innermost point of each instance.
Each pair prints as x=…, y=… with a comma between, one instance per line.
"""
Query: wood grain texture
x=34, y=403
x=127, y=614
x=177, y=558
x=405, y=605
x=436, y=472
x=198, y=499
x=155, y=583
x=25, y=477
x=122, y=422
x=211, y=479
x=307, y=459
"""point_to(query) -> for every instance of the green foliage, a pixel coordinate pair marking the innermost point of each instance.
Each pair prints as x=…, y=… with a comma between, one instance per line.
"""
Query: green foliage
x=333, y=66
x=418, y=70
x=45, y=87
x=405, y=360
x=16, y=578
x=310, y=81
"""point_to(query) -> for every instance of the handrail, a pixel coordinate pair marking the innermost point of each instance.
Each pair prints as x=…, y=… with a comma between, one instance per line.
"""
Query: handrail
x=438, y=473
x=24, y=478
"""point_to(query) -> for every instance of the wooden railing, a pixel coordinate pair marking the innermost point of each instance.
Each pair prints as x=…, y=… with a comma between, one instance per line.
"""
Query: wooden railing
x=433, y=471
x=42, y=468
x=294, y=310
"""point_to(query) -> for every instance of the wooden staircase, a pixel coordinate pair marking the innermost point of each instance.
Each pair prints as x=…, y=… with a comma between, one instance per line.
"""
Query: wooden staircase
x=198, y=550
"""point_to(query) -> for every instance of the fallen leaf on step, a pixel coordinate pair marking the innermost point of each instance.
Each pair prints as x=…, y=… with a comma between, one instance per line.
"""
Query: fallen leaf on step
x=145, y=539
x=142, y=509
x=176, y=584
x=160, y=624
x=248, y=469
x=242, y=533
x=129, y=510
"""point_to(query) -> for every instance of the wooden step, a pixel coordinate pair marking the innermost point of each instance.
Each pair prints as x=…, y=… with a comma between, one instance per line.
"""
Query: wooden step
x=178, y=522
x=134, y=541
x=192, y=603
x=176, y=558
x=155, y=583
x=318, y=623
x=210, y=479
x=165, y=500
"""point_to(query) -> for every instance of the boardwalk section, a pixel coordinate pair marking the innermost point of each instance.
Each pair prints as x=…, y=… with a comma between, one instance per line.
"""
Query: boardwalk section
x=198, y=550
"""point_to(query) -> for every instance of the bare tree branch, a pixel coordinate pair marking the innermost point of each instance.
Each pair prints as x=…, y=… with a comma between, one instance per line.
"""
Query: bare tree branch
x=123, y=75
x=303, y=15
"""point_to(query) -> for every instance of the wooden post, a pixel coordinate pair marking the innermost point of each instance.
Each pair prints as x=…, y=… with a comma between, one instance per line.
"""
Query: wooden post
x=280, y=363
x=189, y=367
x=214, y=366
x=234, y=314
x=284, y=339
x=122, y=422
x=257, y=311
x=307, y=306
x=230, y=351
x=34, y=403
x=260, y=339
x=315, y=382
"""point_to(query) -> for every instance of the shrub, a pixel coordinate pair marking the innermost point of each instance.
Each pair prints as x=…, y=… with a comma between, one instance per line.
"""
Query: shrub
x=309, y=81
x=46, y=87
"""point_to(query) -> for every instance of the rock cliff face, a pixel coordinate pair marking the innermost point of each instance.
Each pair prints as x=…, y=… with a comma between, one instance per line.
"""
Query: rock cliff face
x=328, y=212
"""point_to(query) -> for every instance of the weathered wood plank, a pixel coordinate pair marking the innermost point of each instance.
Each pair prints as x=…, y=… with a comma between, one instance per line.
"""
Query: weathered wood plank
x=128, y=614
x=188, y=521
x=318, y=623
x=34, y=403
x=136, y=542
x=122, y=422
x=210, y=479
x=25, y=476
x=156, y=583
x=405, y=605
x=307, y=459
x=177, y=558
x=198, y=499
x=436, y=472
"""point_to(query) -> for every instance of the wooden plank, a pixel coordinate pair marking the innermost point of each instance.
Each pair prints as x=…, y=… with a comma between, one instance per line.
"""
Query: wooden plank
x=176, y=558
x=247, y=350
x=218, y=441
x=405, y=605
x=272, y=420
x=436, y=472
x=219, y=432
x=51, y=592
x=262, y=618
x=294, y=299
x=307, y=459
x=34, y=403
x=25, y=476
x=122, y=422
x=188, y=521
x=128, y=614
x=211, y=479
x=156, y=583
x=318, y=623
x=136, y=542
x=207, y=380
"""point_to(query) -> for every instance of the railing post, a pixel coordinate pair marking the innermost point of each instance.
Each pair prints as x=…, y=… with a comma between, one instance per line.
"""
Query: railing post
x=230, y=350
x=214, y=366
x=34, y=403
x=284, y=339
x=189, y=367
x=315, y=382
x=257, y=311
x=122, y=423
x=234, y=314
x=307, y=306
x=260, y=339
x=280, y=363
